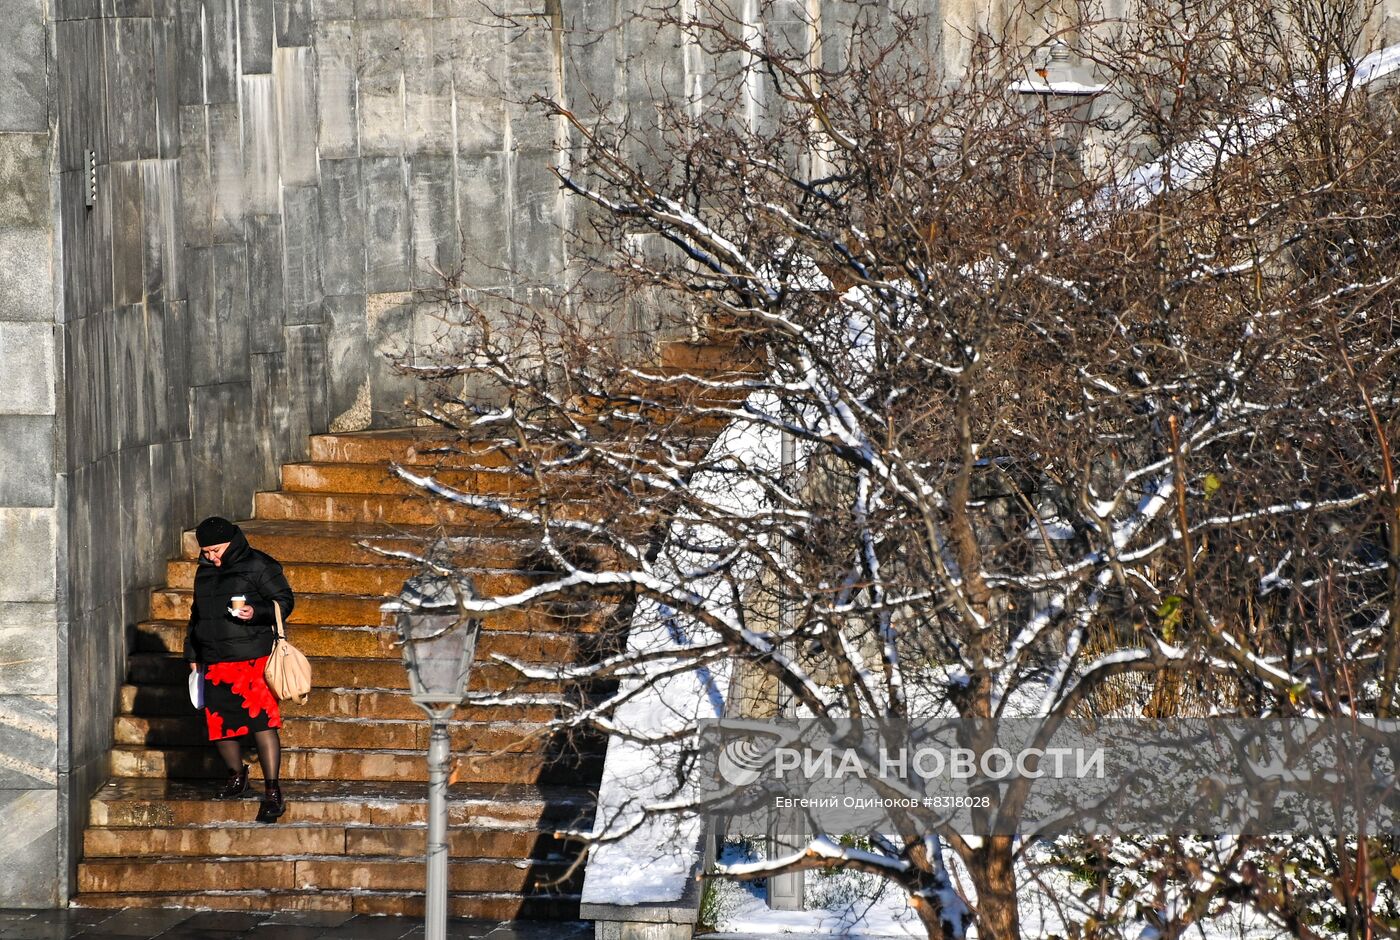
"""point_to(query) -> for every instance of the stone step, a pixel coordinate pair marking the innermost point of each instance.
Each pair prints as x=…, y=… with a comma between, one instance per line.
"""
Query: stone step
x=710, y=360
x=305, y=872
x=246, y=839
x=327, y=543
x=482, y=905
x=343, y=641
x=417, y=510
x=173, y=604
x=378, y=479
x=142, y=803
x=358, y=733
x=172, y=701
x=415, y=447
x=373, y=580
x=332, y=543
x=167, y=672
x=201, y=762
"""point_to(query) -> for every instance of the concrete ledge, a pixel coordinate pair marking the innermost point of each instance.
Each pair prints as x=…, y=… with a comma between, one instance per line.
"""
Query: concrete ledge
x=614, y=930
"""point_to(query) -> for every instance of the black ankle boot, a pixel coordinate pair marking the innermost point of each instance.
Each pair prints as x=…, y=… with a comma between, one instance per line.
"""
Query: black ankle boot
x=273, y=805
x=236, y=786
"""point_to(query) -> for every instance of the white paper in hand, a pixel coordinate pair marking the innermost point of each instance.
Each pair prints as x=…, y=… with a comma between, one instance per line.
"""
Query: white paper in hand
x=197, y=688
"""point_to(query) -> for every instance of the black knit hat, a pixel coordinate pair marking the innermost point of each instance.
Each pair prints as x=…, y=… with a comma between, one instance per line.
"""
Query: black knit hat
x=215, y=531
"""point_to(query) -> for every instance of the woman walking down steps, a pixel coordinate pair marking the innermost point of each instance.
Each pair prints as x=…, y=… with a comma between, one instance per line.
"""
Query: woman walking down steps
x=231, y=632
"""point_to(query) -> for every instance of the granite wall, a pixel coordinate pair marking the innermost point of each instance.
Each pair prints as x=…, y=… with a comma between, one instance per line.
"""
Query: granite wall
x=31, y=494
x=274, y=182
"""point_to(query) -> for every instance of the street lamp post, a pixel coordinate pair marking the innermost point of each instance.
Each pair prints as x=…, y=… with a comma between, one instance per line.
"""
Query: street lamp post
x=438, y=646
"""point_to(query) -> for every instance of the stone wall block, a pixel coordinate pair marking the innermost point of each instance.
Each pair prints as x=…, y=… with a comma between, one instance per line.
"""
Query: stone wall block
x=155, y=378
x=196, y=212
x=342, y=227
x=267, y=316
x=222, y=475
x=128, y=246
x=75, y=251
x=387, y=230
x=255, y=35
x=306, y=379
x=165, y=522
x=480, y=125
x=160, y=229
x=26, y=283
x=226, y=171
x=336, y=78
x=427, y=76
x=232, y=315
x=335, y=9
x=219, y=27
x=347, y=351
x=28, y=545
x=484, y=219
x=433, y=219
x=138, y=358
x=29, y=852
x=79, y=409
x=80, y=91
x=113, y=393
x=28, y=649
x=260, y=145
x=295, y=20
x=105, y=511
x=24, y=89
x=189, y=52
x=131, y=87
x=94, y=661
x=380, y=92
x=177, y=371
x=294, y=80
x=532, y=65
x=24, y=180
x=593, y=55
x=301, y=243
x=77, y=9
x=182, y=493
x=136, y=528
x=165, y=57
x=271, y=413
x=537, y=226
x=29, y=741
x=391, y=333
x=26, y=464
x=201, y=317
x=389, y=9
x=476, y=55
x=79, y=547
x=27, y=363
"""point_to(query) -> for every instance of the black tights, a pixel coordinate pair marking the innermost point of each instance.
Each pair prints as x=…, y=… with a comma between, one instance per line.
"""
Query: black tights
x=269, y=753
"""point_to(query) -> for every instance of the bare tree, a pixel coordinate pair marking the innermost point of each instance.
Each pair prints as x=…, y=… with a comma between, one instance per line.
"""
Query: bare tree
x=1092, y=388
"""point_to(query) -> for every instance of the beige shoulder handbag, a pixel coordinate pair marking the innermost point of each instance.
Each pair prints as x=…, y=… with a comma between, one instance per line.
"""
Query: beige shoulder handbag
x=288, y=673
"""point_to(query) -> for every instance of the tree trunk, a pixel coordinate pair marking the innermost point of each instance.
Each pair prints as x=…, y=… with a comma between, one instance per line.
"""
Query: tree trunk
x=994, y=876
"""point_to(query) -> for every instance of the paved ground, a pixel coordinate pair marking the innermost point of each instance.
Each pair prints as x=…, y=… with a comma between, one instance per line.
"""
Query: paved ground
x=145, y=924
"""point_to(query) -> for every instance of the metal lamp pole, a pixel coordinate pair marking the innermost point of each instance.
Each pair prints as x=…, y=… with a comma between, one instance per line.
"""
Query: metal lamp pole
x=438, y=647
x=439, y=755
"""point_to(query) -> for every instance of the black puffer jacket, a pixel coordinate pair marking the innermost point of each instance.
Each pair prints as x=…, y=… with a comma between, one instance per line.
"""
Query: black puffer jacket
x=215, y=635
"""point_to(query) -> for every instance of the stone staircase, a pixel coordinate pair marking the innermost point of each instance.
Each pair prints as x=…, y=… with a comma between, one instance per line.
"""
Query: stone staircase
x=353, y=758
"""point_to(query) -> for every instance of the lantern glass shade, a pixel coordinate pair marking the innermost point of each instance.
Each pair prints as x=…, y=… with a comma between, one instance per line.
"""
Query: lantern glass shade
x=438, y=644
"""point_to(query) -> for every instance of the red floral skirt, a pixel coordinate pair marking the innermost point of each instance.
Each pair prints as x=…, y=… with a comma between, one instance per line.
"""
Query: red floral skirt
x=237, y=700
